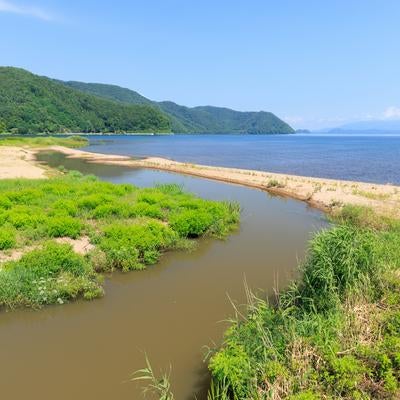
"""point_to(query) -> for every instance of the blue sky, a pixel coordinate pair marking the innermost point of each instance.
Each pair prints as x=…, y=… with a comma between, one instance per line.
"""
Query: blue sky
x=313, y=63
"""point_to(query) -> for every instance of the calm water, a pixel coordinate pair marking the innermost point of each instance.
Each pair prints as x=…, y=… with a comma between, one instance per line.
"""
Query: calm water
x=87, y=350
x=370, y=158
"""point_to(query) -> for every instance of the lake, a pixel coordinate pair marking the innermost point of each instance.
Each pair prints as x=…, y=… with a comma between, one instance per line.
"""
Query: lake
x=369, y=158
x=87, y=350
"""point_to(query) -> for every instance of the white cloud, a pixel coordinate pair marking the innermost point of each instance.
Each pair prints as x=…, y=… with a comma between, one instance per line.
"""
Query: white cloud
x=392, y=113
x=9, y=7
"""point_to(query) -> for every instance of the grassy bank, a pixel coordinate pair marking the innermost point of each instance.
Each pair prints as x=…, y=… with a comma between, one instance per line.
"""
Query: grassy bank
x=127, y=228
x=333, y=334
x=44, y=141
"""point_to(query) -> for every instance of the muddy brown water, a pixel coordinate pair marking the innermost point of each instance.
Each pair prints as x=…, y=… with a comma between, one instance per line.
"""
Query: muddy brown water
x=87, y=350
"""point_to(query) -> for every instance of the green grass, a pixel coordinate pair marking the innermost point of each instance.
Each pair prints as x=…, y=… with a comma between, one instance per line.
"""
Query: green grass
x=129, y=227
x=334, y=333
x=43, y=141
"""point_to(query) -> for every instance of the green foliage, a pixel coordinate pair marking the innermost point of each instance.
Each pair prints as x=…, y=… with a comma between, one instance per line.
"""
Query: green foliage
x=35, y=104
x=7, y=238
x=333, y=334
x=191, y=223
x=273, y=183
x=344, y=374
x=60, y=226
x=52, y=274
x=129, y=227
x=232, y=364
x=339, y=260
x=43, y=141
x=137, y=245
x=222, y=120
x=158, y=386
x=197, y=119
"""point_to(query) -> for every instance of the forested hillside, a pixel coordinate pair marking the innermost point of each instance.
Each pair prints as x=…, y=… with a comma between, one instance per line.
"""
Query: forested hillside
x=34, y=104
x=183, y=119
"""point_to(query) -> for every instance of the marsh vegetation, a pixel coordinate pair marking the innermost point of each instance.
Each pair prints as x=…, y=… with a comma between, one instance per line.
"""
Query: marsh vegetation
x=335, y=333
x=44, y=141
x=128, y=229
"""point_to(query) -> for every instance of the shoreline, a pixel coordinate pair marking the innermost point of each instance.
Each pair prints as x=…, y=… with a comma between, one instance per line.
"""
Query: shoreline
x=324, y=194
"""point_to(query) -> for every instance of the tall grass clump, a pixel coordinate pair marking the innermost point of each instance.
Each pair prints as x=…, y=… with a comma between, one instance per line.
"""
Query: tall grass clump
x=129, y=227
x=333, y=334
x=159, y=387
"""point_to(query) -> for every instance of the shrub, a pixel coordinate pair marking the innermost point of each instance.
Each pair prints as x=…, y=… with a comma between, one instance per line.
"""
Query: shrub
x=22, y=217
x=7, y=238
x=25, y=196
x=5, y=202
x=273, y=183
x=114, y=209
x=60, y=226
x=345, y=374
x=146, y=210
x=191, y=223
x=48, y=275
x=67, y=207
x=90, y=202
x=133, y=246
x=232, y=366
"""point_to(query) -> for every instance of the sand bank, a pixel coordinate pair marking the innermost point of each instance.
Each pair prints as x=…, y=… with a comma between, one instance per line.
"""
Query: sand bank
x=318, y=192
x=17, y=162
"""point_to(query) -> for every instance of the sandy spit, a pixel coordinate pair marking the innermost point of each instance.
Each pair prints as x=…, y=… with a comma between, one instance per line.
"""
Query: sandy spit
x=324, y=194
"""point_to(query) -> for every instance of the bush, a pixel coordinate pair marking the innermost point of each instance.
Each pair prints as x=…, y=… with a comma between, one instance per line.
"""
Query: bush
x=52, y=274
x=111, y=210
x=92, y=201
x=146, y=210
x=191, y=223
x=60, y=226
x=133, y=246
x=232, y=366
x=5, y=202
x=7, y=238
x=25, y=217
x=67, y=207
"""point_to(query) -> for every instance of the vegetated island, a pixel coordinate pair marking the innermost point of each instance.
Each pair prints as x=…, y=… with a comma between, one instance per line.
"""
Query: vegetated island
x=333, y=334
x=31, y=104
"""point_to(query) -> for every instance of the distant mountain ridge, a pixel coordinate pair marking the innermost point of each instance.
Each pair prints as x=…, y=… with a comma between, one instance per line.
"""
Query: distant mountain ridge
x=373, y=126
x=202, y=119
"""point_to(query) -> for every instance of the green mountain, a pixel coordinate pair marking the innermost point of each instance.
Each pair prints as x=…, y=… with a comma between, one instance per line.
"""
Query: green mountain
x=33, y=104
x=183, y=119
x=111, y=92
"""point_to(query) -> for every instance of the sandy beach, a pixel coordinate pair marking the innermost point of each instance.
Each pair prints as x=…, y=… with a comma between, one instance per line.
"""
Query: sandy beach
x=325, y=194
x=18, y=162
